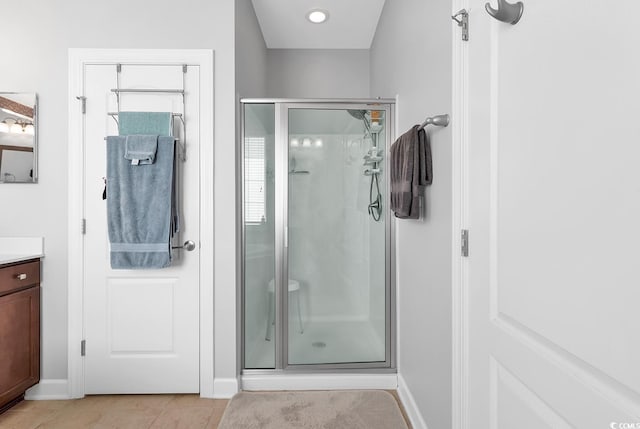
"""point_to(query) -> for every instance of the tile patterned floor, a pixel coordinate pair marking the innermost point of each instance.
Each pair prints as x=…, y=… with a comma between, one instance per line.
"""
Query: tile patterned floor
x=122, y=412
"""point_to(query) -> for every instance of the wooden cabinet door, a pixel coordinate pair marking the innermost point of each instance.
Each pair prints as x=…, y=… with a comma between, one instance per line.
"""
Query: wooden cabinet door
x=19, y=343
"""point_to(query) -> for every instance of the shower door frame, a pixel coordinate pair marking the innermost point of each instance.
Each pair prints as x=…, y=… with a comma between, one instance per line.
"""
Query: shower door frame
x=281, y=148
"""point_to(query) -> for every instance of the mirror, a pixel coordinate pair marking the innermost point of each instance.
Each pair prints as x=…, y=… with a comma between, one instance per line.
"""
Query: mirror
x=18, y=137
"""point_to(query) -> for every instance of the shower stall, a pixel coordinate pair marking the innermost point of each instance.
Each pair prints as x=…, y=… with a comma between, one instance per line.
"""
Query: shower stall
x=317, y=290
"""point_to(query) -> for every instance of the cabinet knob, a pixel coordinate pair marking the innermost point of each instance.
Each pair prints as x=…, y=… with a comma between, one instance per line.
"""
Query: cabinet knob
x=22, y=276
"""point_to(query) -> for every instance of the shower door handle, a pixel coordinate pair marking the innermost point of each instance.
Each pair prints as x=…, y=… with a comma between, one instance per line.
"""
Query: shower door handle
x=286, y=236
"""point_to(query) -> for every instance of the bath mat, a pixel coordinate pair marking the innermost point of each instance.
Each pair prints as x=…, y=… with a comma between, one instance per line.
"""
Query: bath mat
x=348, y=409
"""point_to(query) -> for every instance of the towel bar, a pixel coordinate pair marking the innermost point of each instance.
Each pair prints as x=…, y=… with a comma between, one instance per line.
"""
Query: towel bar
x=183, y=149
x=175, y=138
x=175, y=115
x=132, y=90
x=439, y=121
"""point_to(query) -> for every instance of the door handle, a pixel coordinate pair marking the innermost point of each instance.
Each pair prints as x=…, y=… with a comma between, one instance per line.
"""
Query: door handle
x=188, y=245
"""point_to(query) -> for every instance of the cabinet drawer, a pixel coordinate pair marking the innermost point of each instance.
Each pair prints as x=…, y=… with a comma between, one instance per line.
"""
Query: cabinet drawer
x=19, y=276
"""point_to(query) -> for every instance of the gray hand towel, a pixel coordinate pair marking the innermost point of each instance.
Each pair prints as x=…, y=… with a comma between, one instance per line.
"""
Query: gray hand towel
x=141, y=149
x=411, y=171
x=139, y=206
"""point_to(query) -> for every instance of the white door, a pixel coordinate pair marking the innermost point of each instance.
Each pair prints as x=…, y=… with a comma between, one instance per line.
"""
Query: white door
x=553, y=216
x=141, y=326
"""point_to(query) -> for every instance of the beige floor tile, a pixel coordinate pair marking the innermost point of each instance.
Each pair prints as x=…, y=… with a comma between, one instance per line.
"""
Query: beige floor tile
x=24, y=420
x=128, y=402
x=32, y=406
x=183, y=418
x=180, y=401
x=221, y=404
x=126, y=419
x=214, y=421
x=121, y=412
x=73, y=418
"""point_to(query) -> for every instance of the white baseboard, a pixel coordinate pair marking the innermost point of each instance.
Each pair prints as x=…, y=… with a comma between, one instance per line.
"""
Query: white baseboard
x=319, y=381
x=224, y=388
x=409, y=404
x=48, y=390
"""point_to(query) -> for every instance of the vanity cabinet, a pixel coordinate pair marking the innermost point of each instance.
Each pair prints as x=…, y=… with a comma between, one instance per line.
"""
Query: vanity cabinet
x=19, y=330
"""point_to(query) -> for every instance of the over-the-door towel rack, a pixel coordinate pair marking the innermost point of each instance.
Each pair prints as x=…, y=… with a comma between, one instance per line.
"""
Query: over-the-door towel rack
x=117, y=91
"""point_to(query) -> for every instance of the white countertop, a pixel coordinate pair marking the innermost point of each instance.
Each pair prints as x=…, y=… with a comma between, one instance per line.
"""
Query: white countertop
x=18, y=249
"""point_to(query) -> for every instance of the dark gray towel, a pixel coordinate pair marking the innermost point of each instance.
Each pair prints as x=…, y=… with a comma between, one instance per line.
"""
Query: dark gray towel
x=411, y=171
x=139, y=206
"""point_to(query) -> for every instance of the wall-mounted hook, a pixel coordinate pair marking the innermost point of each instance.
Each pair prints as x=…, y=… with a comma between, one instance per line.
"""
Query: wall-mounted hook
x=506, y=12
x=463, y=22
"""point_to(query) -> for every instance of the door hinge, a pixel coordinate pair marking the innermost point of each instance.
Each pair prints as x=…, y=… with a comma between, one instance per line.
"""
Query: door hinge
x=84, y=226
x=83, y=100
x=464, y=242
x=463, y=22
x=83, y=347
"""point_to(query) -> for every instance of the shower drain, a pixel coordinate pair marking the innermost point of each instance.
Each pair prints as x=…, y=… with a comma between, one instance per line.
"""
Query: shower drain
x=319, y=344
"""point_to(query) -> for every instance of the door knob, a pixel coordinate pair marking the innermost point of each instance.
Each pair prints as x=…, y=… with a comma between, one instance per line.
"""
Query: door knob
x=189, y=245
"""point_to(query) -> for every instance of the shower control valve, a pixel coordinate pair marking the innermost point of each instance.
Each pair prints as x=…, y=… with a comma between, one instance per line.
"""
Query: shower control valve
x=371, y=171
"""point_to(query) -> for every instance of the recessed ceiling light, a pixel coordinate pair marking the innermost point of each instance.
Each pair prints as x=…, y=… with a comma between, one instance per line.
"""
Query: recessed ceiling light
x=317, y=16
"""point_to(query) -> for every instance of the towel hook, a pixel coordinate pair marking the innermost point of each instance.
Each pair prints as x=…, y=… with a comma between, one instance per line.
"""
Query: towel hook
x=506, y=12
x=438, y=121
x=463, y=22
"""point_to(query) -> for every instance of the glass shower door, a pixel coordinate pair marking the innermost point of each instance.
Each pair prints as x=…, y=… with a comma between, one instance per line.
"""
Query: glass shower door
x=336, y=296
x=259, y=225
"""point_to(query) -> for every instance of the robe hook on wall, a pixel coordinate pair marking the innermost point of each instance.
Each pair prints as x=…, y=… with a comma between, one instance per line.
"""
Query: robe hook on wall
x=506, y=12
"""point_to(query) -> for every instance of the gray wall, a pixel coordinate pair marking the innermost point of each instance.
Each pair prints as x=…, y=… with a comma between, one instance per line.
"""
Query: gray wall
x=251, y=53
x=415, y=64
x=318, y=73
x=37, y=62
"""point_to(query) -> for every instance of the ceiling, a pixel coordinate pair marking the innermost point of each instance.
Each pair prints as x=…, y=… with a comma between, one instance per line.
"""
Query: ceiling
x=351, y=24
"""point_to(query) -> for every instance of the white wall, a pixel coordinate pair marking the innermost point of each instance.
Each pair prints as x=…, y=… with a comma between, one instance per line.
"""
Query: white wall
x=38, y=63
x=415, y=63
x=318, y=73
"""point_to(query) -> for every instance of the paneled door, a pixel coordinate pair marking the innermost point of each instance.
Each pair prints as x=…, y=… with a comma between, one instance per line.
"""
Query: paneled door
x=141, y=327
x=553, y=209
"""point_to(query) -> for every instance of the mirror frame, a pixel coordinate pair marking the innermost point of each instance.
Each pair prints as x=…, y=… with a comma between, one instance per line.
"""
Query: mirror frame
x=34, y=177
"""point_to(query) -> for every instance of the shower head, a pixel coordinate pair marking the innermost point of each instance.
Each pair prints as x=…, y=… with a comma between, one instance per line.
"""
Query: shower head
x=358, y=114
x=361, y=115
